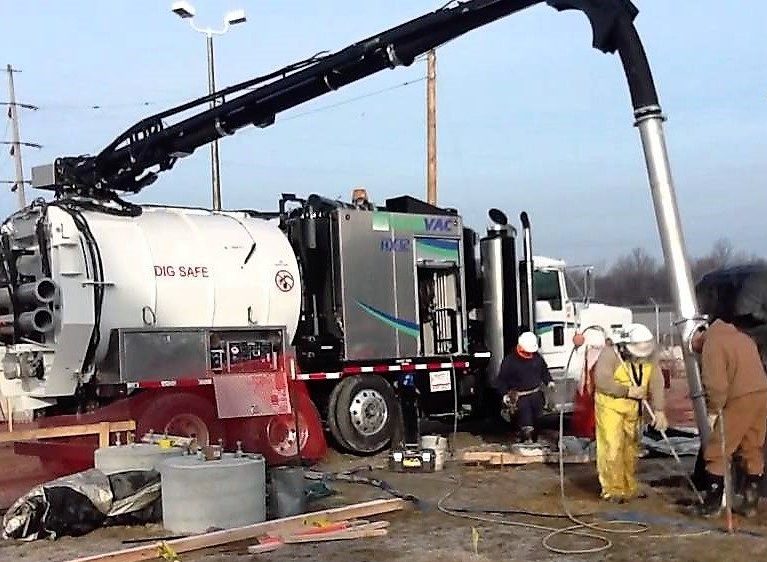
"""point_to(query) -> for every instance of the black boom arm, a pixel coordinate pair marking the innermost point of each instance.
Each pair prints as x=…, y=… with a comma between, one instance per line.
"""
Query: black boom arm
x=125, y=164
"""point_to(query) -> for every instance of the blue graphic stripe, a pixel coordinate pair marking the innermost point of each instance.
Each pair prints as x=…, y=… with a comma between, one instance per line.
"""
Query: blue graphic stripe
x=439, y=243
x=410, y=328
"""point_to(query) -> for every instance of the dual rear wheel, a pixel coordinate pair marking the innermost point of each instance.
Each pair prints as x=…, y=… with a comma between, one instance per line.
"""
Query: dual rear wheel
x=362, y=413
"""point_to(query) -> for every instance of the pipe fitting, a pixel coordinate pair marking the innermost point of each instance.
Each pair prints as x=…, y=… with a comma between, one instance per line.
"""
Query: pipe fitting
x=38, y=320
x=41, y=291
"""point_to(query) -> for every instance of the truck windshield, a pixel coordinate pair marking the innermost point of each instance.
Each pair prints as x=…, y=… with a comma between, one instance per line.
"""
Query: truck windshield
x=547, y=288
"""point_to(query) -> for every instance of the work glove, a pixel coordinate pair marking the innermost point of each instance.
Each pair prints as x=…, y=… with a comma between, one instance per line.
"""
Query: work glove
x=661, y=422
x=636, y=393
x=712, y=421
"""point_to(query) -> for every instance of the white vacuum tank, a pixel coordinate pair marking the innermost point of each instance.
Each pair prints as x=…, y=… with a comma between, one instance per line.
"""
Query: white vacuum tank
x=169, y=267
x=199, y=495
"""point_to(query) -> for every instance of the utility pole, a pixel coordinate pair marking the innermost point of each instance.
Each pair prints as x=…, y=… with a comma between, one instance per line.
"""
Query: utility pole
x=431, y=128
x=18, y=187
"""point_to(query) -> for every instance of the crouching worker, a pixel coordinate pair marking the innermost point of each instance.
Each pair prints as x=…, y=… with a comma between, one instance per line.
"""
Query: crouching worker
x=625, y=375
x=521, y=378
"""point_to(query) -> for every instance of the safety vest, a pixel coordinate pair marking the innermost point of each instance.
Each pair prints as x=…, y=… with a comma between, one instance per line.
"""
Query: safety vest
x=628, y=373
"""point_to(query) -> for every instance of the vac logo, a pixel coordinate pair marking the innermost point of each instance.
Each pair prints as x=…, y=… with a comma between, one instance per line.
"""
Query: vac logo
x=438, y=224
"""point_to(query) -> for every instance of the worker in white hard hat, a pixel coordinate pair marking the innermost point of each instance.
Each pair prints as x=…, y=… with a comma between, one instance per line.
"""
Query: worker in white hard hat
x=521, y=378
x=625, y=375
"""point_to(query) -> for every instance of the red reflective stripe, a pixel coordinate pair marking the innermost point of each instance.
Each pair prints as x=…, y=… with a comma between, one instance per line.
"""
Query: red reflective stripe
x=150, y=384
x=357, y=369
x=170, y=383
x=318, y=376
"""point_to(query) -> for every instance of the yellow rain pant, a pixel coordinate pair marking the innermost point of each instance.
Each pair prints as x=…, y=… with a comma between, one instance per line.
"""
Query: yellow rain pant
x=617, y=449
x=617, y=429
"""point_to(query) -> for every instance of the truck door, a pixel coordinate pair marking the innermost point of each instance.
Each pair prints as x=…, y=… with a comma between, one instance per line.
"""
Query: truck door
x=553, y=316
x=439, y=296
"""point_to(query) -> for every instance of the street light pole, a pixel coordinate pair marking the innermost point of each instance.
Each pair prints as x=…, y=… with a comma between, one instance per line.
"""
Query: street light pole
x=214, y=161
x=185, y=10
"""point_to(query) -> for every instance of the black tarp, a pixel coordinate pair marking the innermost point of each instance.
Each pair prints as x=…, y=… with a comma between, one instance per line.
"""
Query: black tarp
x=738, y=295
x=77, y=504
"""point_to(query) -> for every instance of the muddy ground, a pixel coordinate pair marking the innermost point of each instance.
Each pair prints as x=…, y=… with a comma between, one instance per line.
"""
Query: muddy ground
x=424, y=533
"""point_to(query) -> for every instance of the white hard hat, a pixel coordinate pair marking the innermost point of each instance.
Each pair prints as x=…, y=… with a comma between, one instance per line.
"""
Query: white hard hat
x=528, y=342
x=640, y=341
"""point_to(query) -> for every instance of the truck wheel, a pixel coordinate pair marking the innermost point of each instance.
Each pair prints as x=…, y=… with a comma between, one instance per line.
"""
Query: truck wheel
x=183, y=414
x=277, y=437
x=365, y=412
x=332, y=418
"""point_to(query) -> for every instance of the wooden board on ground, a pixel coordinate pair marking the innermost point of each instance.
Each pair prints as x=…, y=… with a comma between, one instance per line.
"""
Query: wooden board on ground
x=501, y=457
x=284, y=526
x=377, y=529
x=102, y=429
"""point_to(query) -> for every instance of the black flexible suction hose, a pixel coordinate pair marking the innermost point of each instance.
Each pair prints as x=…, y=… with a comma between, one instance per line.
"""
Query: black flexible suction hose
x=636, y=66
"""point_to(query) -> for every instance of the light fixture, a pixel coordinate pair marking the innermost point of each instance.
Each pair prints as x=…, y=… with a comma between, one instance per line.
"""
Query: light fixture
x=235, y=16
x=183, y=9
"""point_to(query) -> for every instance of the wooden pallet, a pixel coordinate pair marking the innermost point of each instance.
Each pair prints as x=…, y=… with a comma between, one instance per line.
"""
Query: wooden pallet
x=102, y=429
x=500, y=457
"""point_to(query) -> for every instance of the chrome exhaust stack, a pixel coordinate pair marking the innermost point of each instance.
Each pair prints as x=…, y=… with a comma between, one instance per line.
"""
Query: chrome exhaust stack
x=499, y=290
x=527, y=249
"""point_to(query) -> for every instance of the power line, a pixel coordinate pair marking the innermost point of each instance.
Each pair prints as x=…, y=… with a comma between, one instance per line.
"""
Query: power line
x=350, y=100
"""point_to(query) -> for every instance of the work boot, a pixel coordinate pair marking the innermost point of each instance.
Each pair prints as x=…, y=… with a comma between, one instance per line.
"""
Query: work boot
x=712, y=500
x=750, y=505
x=527, y=435
x=612, y=499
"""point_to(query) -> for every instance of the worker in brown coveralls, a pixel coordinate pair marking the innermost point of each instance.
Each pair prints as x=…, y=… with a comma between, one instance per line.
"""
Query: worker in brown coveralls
x=736, y=388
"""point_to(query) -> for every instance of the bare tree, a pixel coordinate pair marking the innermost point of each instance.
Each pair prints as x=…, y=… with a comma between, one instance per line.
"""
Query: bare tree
x=636, y=276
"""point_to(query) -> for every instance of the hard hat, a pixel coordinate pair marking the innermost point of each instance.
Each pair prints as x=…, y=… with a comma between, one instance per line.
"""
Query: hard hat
x=639, y=342
x=528, y=342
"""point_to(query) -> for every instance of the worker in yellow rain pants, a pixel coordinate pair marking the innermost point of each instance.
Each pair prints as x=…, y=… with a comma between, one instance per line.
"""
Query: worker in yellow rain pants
x=624, y=376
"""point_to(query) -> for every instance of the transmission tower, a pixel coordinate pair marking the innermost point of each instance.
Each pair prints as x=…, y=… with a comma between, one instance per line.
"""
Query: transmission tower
x=15, y=143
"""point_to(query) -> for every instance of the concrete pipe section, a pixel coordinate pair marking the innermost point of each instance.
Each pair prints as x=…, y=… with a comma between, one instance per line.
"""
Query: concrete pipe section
x=198, y=495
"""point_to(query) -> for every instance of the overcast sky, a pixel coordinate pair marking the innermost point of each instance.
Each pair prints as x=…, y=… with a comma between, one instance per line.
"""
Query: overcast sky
x=530, y=116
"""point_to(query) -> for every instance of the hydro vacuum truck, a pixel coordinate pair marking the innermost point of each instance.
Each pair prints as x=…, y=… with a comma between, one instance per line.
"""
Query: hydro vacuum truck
x=245, y=325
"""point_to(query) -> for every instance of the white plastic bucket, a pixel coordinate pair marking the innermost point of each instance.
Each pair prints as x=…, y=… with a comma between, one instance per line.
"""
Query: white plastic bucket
x=438, y=444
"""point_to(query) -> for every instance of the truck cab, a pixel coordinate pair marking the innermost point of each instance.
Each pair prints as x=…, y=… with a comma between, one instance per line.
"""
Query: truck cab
x=558, y=317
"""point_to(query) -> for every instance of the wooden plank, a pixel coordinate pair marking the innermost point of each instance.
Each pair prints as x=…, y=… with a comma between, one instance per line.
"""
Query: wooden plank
x=104, y=434
x=502, y=458
x=265, y=547
x=66, y=431
x=249, y=532
x=336, y=536
x=331, y=530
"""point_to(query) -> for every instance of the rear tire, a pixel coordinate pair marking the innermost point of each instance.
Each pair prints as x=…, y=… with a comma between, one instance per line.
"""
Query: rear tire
x=332, y=419
x=279, y=437
x=366, y=413
x=182, y=414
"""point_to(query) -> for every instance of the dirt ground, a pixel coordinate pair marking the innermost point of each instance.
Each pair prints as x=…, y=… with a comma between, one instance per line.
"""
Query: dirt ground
x=424, y=533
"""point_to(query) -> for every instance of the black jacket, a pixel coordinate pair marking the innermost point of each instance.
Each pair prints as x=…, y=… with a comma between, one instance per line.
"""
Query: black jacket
x=518, y=373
